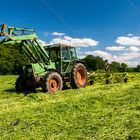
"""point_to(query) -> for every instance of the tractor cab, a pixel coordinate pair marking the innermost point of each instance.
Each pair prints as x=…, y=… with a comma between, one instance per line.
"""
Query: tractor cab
x=64, y=56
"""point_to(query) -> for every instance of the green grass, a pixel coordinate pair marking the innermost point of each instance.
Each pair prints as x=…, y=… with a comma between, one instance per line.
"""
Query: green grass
x=109, y=112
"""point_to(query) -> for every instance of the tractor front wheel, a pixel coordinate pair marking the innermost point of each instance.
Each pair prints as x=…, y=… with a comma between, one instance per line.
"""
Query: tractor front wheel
x=52, y=82
x=79, y=76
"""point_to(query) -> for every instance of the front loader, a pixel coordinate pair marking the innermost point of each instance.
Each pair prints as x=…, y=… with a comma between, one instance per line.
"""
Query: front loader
x=49, y=67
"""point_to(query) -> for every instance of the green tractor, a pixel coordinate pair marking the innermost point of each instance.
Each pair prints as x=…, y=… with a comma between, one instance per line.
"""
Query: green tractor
x=49, y=67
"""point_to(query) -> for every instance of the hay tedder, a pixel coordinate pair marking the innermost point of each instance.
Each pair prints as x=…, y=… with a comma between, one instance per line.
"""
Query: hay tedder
x=108, y=77
x=49, y=67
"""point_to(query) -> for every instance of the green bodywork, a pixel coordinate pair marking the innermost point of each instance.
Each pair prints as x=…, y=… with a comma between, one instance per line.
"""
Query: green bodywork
x=41, y=59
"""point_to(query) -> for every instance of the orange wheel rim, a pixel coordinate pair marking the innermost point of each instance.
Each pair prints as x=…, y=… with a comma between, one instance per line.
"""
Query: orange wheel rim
x=81, y=77
x=54, y=85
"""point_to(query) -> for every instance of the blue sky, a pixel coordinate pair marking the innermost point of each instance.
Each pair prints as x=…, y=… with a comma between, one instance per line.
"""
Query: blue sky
x=108, y=28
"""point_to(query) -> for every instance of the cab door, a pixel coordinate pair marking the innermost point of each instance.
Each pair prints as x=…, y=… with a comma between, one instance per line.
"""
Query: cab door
x=66, y=60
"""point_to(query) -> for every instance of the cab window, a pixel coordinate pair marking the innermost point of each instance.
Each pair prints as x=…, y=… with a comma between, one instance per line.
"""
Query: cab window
x=54, y=54
x=73, y=53
x=65, y=54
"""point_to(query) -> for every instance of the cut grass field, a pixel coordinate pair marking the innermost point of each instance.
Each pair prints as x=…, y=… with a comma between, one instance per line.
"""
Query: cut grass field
x=100, y=112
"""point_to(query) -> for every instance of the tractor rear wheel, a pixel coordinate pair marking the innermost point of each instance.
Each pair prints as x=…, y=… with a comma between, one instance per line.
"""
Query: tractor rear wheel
x=79, y=76
x=52, y=82
x=20, y=84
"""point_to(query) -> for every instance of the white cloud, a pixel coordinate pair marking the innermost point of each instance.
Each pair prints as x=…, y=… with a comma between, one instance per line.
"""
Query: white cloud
x=82, y=42
x=129, y=55
x=100, y=53
x=68, y=38
x=123, y=48
x=58, y=34
x=134, y=49
x=130, y=34
x=43, y=43
x=115, y=48
x=130, y=58
x=132, y=63
x=134, y=40
x=103, y=54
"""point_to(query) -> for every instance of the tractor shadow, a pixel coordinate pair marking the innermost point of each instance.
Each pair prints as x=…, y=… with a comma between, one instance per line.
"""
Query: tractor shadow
x=13, y=90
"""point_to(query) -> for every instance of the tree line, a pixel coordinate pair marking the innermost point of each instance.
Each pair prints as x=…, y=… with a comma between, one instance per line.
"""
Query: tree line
x=12, y=60
x=94, y=63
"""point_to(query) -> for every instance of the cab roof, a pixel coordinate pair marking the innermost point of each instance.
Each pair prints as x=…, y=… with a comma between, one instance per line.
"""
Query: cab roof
x=58, y=45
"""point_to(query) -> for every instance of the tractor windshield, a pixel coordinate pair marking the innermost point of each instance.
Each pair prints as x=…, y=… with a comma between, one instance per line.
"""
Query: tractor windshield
x=69, y=53
x=73, y=53
x=65, y=54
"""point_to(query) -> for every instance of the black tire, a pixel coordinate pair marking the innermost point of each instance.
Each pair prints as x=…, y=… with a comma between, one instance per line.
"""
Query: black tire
x=79, y=76
x=125, y=80
x=52, y=82
x=107, y=81
x=20, y=84
x=91, y=82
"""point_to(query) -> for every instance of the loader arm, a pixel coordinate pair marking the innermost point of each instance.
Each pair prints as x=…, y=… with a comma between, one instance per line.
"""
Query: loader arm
x=27, y=40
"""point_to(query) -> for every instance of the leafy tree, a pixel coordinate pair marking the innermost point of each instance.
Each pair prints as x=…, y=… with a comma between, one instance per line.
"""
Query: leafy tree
x=115, y=66
x=90, y=62
x=11, y=60
x=99, y=63
x=123, y=67
x=131, y=69
x=138, y=68
x=94, y=63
